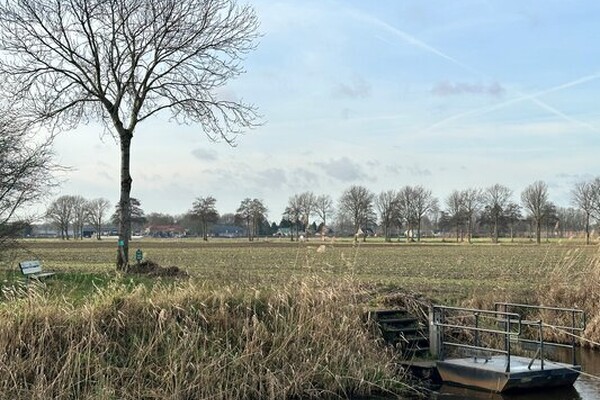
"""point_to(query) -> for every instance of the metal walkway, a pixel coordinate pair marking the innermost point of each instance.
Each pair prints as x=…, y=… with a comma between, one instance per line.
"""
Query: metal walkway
x=460, y=340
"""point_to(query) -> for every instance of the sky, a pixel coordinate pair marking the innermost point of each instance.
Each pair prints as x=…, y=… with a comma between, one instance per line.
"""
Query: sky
x=387, y=93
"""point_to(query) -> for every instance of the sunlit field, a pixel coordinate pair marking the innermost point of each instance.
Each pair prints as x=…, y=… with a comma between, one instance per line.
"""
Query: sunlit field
x=444, y=271
x=269, y=319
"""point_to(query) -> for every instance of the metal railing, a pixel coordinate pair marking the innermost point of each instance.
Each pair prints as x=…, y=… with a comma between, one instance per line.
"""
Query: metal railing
x=577, y=325
x=469, y=320
x=511, y=327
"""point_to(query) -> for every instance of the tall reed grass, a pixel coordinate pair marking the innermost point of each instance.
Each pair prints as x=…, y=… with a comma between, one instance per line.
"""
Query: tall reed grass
x=571, y=282
x=574, y=282
x=306, y=339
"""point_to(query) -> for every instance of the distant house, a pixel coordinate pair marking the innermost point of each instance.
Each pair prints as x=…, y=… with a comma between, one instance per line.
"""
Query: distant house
x=44, y=230
x=227, y=231
x=283, y=232
x=165, y=231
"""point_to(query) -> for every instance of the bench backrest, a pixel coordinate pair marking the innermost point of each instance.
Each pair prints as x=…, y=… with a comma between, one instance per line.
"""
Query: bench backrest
x=30, y=267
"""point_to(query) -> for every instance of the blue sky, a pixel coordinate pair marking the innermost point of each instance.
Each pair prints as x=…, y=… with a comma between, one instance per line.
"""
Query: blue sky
x=448, y=95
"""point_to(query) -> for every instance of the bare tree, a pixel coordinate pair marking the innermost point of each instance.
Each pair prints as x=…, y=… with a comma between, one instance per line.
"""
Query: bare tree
x=122, y=62
x=97, y=210
x=357, y=202
x=307, y=206
x=258, y=212
x=550, y=218
x=25, y=174
x=406, y=210
x=585, y=196
x=535, y=199
x=512, y=215
x=251, y=213
x=472, y=200
x=293, y=213
x=455, y=208
x=324, y=209
x=244, y=216
x=571, y=220
x=80, y=216
x=60, y=214
x=204, y=210
x=386, y=203
x=423, y=202
x=496, y=198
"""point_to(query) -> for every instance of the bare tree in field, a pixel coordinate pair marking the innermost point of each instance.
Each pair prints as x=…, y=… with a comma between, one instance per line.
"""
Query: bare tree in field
x=25, y=174
x=307, y=207
x=550, y=218
x=324, y=209
x=496, y=198
x=512, y=215
x=97, y=211
x=60, y=214
x=80, y=216
x=455, y=208
x=406, y=210
x=423, y=202
x=472, y=200
x=585, y=196
x=244, y=215
x=535, y=199
x=204, y=210
x=357, y=202
x=122, y=62
x=293, y=213
x=251, y=212
x=387, y=206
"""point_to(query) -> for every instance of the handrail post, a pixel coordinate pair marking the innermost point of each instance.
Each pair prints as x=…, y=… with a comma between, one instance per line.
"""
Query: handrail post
x=441, y=334
x=573, y=337
x=507, y=342
x=434, y=332
x=541, y=325
x=476, y=334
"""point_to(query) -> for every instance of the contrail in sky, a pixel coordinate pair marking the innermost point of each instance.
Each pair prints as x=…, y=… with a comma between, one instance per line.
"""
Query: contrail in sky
x=522, y=96
x=533, y=97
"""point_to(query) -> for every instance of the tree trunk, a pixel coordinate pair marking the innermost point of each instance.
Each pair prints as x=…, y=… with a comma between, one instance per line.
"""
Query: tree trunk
x=457, y=230
x=495, y=238
x=125, y=201
x=538, y=231
x=469, y=230
x=587, y=229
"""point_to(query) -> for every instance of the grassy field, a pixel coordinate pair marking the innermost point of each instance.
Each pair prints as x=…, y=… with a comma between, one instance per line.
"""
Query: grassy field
x=262, y=320
x=444, y=271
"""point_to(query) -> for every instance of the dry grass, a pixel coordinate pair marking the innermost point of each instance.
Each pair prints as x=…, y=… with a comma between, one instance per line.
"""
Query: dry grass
x=268, y=320
x=306, y=339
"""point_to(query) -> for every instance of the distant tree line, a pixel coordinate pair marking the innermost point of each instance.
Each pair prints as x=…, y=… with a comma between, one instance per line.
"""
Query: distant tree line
x=409, y=213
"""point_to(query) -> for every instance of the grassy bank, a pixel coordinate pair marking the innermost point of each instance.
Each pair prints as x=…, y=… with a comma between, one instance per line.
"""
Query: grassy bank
x=306, y=339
